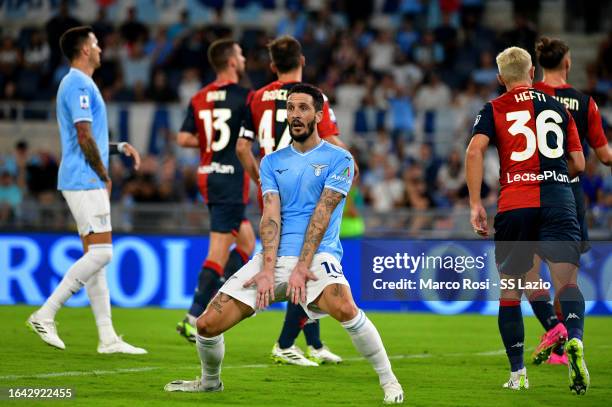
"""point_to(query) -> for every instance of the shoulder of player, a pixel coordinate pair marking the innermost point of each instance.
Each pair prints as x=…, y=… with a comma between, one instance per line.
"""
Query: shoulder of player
x=338, y=153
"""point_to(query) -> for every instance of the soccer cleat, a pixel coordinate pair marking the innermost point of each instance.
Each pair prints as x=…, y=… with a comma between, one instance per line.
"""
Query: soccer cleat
x=323, y=355
x=555, y=359
x=46, y=329
x=394, y=394
x=518, y=380
x=552, y=338
x=119, y=346
x=191, y=386
x=578, y=374
x=290, y=356
x=186, y=330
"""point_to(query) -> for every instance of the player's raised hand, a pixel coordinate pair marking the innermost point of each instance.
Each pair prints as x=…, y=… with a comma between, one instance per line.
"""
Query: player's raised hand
x=130, y=151
x=264, y=281
x=296, y=287
x=478, y=218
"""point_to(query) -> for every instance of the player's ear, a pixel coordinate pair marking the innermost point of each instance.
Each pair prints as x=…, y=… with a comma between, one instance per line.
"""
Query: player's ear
x=319, y=116
x=302, y=60
x=568, y=62
x=532, y=72
x=500, y=80
x=273, y=68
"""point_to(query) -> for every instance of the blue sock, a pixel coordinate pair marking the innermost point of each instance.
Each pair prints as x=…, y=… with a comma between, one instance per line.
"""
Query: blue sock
x=572, y=305
x=312, y=332
x=295, y=317
x=510, y=322
x=209, y=282
x=543, y=309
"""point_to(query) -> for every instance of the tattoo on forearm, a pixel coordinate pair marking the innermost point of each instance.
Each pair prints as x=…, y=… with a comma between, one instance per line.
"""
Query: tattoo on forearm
x=90, y=150
x=319, y=222
x=269, y=229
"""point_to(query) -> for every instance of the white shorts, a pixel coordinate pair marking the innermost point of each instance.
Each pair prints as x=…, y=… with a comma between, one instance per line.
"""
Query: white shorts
x=324, y=266
x=90, y=210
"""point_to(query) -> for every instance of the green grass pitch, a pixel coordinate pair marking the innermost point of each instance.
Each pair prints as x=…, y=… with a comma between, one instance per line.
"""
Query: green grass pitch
x=440, y=360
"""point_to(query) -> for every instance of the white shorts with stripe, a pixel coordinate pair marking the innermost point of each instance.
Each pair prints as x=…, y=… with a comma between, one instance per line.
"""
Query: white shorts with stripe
x=90, y=210
x=324, y=266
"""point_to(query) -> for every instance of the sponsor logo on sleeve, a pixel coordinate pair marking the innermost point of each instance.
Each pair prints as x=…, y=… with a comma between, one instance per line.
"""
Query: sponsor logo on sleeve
x=84, y=101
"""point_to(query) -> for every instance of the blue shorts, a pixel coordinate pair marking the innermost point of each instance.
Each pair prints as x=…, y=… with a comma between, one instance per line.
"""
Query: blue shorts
x=226, y=218
x=551, y=233
x=581, y=212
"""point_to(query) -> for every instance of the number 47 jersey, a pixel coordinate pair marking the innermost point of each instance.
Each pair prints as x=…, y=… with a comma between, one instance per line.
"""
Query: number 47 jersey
x=215, y=115
x=267, y=118
x=533, y=134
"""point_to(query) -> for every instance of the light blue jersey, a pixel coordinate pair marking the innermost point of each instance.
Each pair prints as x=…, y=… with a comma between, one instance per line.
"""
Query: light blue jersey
x=78, y=100
x=299, y=179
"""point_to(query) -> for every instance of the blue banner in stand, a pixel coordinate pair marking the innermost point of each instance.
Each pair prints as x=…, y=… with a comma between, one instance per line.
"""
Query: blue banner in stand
x=162, y=271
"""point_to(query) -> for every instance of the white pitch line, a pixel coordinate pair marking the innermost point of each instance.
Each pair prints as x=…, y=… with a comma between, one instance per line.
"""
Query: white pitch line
x=251, y=366
x=81, y=373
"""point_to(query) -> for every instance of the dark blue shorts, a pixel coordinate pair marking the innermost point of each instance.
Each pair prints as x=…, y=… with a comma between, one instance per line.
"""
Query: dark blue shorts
x=551, y=233
x=226, y=218
x=581, y=212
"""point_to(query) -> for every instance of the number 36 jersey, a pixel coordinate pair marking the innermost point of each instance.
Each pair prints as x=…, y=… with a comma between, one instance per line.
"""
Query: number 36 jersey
x=267, y=118
x=215, y=115
x=533, y=134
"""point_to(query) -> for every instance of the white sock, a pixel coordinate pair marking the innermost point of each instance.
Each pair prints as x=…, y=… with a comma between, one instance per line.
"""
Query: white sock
x=97, y=256
x=99, y=298
x=191, y=319
x=211, y=352
x=367, y=341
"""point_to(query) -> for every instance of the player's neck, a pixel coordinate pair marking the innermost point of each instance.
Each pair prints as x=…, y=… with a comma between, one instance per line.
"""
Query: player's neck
x=291, y=76
x=228, y=76
x=555, y=78
x=84, y=67
x=521, y=84
x=308, y=144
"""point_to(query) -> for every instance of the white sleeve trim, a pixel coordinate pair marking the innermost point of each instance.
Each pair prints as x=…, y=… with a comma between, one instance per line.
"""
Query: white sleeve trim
x=82, y=119
x=345, y=193
x=269, y=191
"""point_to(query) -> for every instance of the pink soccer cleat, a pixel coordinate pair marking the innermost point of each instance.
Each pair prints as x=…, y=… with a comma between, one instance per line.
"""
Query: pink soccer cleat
x=555, y=336
x=555, y=359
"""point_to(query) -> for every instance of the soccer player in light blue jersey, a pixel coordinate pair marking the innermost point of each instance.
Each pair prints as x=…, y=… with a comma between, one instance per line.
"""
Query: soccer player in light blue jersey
x=85, y=184
x=303, y=187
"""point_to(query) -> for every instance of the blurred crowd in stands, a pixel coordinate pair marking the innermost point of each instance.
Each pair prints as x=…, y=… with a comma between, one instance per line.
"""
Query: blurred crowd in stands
x=414, y=88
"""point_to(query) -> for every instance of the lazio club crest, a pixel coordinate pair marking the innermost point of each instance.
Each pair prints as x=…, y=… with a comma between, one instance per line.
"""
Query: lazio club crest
x=318, y=168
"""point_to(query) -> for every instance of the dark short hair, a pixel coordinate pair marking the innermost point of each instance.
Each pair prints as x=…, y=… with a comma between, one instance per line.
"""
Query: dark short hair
x=317, y=96
x=219, y=52
x=285, y=52
x=73, y=39
x=550, y=52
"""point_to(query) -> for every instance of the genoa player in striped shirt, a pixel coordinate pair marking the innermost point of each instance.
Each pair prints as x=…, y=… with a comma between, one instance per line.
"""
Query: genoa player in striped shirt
x=212, y=124
x=539, y=152
x=554, y=57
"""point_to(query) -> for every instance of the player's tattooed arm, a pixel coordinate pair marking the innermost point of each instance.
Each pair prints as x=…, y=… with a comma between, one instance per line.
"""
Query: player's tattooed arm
x=269, y=229
x=318, y=224
x=90, y=149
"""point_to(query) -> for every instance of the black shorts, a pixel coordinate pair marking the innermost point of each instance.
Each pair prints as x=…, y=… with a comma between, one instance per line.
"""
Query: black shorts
x=551, y=233
x=226, y=218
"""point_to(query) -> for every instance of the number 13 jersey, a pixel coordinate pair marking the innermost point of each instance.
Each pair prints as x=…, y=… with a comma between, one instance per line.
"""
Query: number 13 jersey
x=533, y=134
x=216, y=114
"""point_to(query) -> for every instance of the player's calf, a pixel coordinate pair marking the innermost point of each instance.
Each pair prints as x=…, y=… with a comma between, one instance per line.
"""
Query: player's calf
x=222, y=313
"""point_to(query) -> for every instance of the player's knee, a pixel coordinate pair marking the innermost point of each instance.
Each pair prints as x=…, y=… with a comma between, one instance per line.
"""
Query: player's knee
x=206, y=327
x=102, y=254
x=346, y=311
